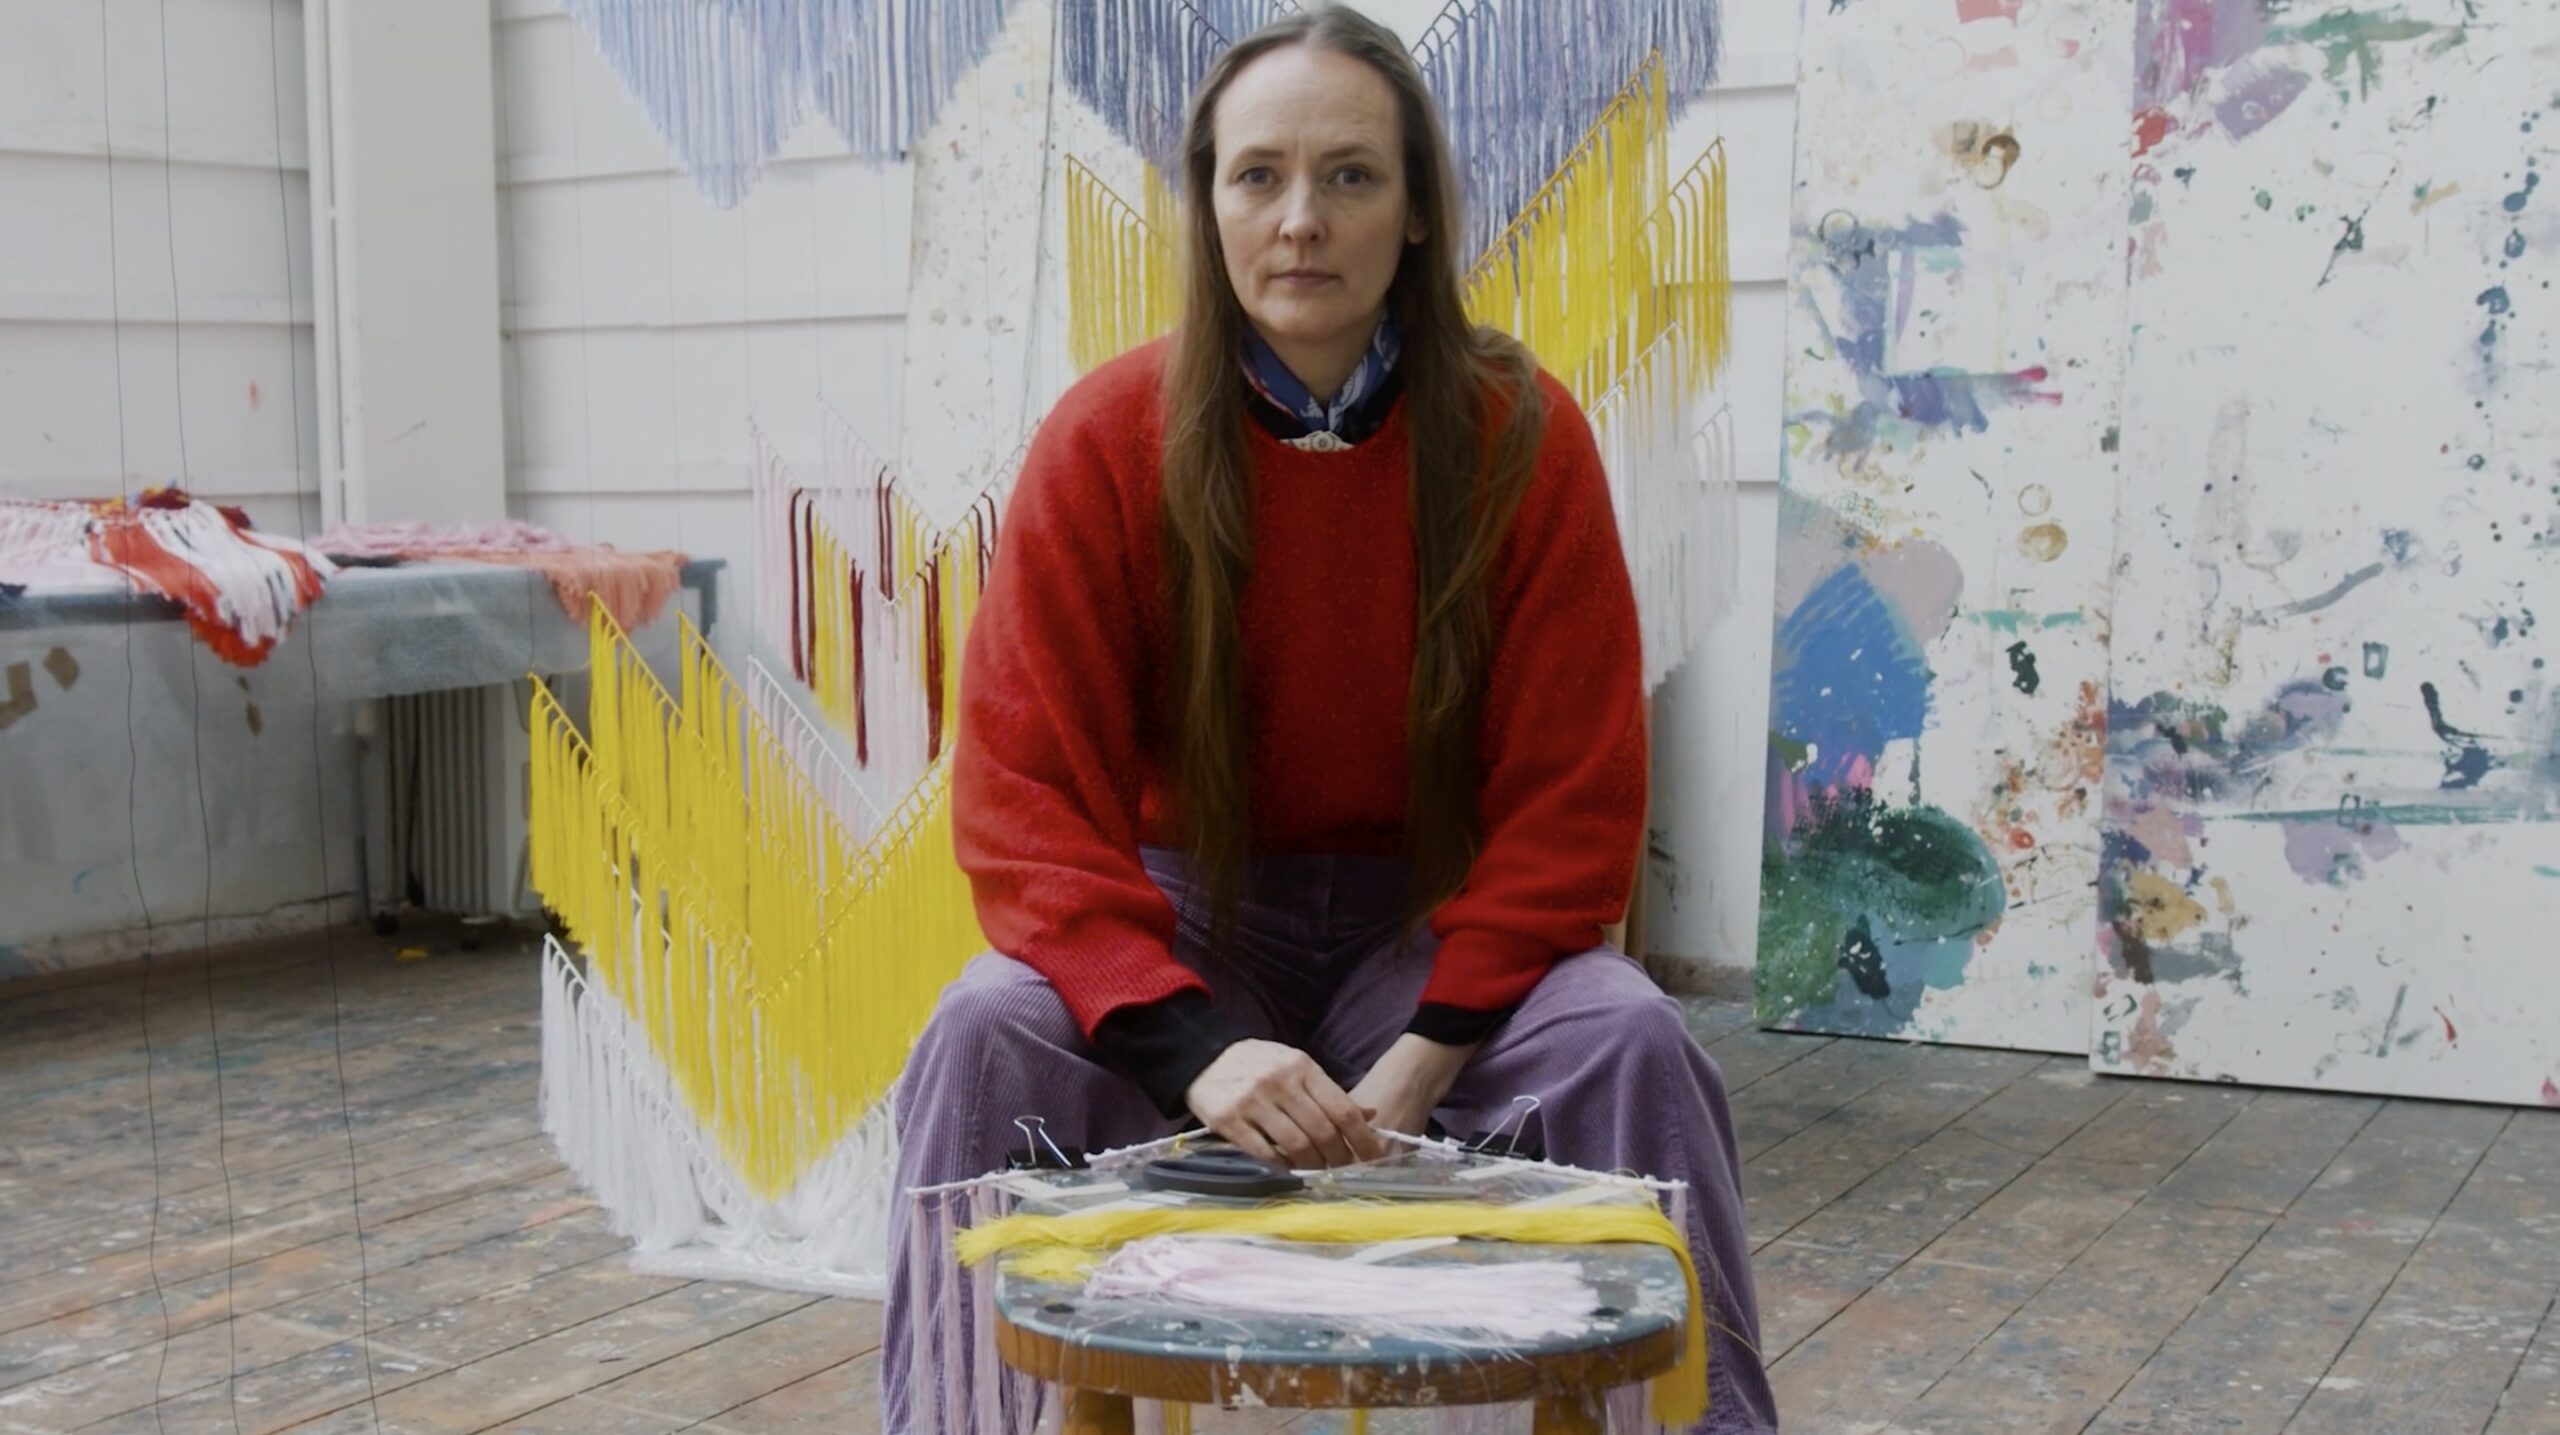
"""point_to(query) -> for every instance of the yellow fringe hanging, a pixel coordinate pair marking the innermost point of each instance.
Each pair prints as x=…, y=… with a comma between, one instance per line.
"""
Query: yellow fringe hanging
x=1607, y=257
x=780, y=972
x=1123, y=281
x=1691, y=262
x=1569, y=275
x=1055, y=1247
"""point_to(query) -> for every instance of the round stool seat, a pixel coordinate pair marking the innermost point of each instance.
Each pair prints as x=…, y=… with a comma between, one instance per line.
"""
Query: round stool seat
x=1107, y=1351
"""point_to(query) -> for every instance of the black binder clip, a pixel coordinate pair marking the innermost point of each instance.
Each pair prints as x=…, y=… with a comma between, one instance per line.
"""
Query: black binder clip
x=1038, y=1153
x=1516, y=1145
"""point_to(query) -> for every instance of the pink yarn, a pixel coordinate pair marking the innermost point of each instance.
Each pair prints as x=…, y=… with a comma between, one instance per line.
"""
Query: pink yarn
x=410, y=538
x=1514, y=1302
x=634, y=586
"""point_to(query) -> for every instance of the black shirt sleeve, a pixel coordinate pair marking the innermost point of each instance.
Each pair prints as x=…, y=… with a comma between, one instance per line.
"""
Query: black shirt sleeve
x=1455, y=1025
x=1165, y=1045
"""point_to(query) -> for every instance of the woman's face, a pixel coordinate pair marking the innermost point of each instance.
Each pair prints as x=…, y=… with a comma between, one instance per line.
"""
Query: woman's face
x=1310, y=200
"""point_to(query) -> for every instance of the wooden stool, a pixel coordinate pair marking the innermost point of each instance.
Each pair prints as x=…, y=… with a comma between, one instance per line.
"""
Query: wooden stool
x=1107, y=1353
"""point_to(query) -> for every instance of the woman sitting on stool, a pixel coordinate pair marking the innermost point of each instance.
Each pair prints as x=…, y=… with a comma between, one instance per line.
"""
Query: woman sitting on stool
x=1302, y=753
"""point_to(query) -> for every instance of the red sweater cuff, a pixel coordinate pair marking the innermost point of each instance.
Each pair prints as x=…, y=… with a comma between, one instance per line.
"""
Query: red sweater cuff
x=1479, y=969
x=1099, y=972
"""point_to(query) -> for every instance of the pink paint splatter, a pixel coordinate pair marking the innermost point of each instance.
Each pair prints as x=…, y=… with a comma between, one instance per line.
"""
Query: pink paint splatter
x=254, y=395
x=2067, y=48
x=2024, y=395
x=2451, y=1037
x=2149, y=1050
x=2004, y=58
x=2550, y=1092
x=1969, y=11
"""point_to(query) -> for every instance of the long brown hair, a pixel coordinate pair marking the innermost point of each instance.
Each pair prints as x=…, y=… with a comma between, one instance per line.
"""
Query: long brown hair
x=1458, y=378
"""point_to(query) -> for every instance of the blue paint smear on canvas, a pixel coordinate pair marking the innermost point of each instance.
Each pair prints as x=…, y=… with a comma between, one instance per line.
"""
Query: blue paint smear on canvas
x=1865, y=906
x=1874, y=270
x=1849, y=676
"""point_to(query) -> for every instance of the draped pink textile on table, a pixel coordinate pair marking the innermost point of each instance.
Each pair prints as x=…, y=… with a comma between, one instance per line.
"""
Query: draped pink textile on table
x=240, y=590
x=634, y=586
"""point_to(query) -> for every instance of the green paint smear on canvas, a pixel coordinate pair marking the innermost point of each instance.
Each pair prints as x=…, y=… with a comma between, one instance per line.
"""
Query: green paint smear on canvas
x=1908, y=875
x=2548, y=871
x=2345, y=38
x=2017, y=620
x=2406, y=814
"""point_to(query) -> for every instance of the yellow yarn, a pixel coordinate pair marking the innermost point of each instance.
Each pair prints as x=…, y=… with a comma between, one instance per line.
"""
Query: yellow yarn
x=1610, y=255
x=1607, y=258
x=1121, y=270
x=779, y=971
x=1687, y=251
x=1679, y=1396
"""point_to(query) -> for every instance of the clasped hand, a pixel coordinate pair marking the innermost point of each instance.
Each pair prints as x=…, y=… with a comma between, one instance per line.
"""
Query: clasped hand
x=1276, y=1104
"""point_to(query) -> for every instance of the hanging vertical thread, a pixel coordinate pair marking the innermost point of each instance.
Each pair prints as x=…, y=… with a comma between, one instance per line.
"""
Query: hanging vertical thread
x=726, y=82
x=1136, y=62
x=1124, y=281
x=1568, y=275
x=779, y=970
x=1687, y=253
x=1515, y=113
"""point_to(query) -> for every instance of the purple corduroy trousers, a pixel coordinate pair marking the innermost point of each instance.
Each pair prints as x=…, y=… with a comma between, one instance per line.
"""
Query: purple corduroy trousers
x=1317, y=959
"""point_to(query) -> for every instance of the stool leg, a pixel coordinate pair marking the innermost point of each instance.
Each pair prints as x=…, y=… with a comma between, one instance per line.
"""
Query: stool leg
x=1093, y=1412
x=1567, y=1415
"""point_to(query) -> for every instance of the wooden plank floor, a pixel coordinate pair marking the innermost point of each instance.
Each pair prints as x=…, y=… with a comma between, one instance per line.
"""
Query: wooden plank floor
x=307, y=1189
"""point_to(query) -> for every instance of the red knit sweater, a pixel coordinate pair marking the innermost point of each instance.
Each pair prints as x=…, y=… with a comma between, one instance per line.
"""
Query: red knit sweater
x=1056, y=786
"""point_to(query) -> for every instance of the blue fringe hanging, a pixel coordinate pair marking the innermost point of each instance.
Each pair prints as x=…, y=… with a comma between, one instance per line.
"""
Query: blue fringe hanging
x=1135, y=62
x=1516, y=106
x=725, y=82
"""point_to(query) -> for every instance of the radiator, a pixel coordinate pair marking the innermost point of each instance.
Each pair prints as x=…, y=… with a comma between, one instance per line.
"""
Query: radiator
x=446, y=794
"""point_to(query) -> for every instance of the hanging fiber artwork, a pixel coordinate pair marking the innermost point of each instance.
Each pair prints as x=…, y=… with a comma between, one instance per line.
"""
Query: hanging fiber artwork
x=1094, y=1258
x=725, y=82
x=1517, y=109
x=239, y=590
x=1120, y=266
x=869, y=601
x=843, y=794
x=753, y=975
x=766, y=902
x=1136, y=62
x=762, y=941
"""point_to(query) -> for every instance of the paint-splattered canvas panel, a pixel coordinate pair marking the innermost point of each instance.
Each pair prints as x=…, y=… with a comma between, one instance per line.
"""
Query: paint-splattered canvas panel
x=2333, y=798
x=1955, y=353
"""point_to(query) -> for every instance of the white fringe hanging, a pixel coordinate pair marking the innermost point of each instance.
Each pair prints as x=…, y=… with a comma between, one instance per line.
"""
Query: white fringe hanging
x=1672, y=482
x=612, y=1114
x=857, y=498
x=816, y=758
